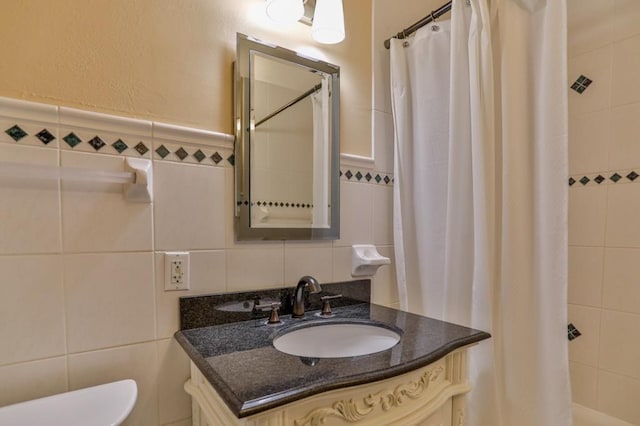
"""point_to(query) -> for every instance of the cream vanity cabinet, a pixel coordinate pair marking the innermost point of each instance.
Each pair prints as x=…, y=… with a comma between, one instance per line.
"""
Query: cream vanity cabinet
x=431, y=396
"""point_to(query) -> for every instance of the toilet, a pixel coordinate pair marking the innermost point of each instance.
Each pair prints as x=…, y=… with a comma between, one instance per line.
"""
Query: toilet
x=104, y=405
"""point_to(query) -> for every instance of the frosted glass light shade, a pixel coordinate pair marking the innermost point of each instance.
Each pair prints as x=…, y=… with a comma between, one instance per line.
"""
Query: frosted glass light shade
x=328, y=22
x=285, y=11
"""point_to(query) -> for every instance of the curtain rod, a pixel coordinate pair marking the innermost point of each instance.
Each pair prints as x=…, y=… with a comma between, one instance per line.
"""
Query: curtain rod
x=421, y=23
x=290, y=104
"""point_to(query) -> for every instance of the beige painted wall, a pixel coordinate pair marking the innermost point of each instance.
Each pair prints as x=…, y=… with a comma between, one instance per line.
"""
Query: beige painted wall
x=165, y=60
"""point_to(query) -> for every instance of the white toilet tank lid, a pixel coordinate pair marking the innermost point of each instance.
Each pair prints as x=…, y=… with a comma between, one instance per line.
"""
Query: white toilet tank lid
x=102, y=405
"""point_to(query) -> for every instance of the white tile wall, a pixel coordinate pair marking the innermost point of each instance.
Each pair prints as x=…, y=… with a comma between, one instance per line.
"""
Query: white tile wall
x=84, y=300
x=604, y=234
x=33, y=299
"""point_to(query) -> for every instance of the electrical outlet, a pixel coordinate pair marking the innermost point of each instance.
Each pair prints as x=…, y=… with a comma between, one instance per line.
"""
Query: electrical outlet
x=176, y=271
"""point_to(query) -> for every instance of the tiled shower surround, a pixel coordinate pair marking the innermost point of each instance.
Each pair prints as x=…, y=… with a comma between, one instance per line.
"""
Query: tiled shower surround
x=82, y=293
x=604, y=196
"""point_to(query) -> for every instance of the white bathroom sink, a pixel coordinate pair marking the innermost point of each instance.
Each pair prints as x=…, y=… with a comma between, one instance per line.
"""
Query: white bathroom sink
x=335, y=340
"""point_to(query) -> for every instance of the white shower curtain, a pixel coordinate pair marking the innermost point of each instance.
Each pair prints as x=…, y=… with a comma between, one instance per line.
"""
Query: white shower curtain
x=480, y=202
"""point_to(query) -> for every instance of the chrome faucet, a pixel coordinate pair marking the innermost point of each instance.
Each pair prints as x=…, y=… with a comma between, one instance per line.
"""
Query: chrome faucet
x=298, y=301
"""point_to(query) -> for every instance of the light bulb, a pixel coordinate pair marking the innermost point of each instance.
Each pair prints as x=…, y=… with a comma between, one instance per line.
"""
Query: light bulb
x=328, y=22
x=285, y=11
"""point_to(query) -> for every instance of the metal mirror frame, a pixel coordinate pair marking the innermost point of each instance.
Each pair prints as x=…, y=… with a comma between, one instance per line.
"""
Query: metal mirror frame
x=242, y=110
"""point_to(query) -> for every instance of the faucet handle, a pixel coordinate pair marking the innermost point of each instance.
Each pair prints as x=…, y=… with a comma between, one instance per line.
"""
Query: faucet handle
x=326, y=307
x=273, y=318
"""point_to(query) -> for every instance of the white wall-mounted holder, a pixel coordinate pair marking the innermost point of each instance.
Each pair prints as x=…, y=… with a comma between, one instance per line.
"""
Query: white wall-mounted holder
x=366, y=260
x=141, y=189
x=137, y=182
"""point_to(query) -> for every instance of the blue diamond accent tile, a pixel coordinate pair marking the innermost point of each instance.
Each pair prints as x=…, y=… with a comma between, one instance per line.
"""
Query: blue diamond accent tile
x=359, y=176
x=162, y=151
x=340, y=173
x=199, y=155
x=45, y=136
x=573, y=332
x=387, y=179
x=232, y=160
x=378, y=178
x=632, y=176
x=72, y=140
x=96, y=143
x=348, y=174
x=142, y=148
x=368, y=177
x=119, y=146
x=585, y=180
x=615, y=177
x=181, y=153
x=599, y=179
x=216, y=157
x=571, y=181
x=16, y=133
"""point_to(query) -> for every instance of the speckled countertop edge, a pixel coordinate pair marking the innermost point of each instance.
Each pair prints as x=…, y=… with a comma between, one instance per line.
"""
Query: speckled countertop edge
x=243, y=407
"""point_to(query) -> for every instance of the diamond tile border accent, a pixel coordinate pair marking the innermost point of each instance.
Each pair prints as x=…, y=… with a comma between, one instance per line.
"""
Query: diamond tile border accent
x=573, y=332
x=68, y=129
x=581, y=84
x=366, y=176
x=278, y=203
x=605, y=178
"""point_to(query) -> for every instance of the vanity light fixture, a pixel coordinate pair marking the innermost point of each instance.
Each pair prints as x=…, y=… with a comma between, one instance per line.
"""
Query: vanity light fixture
x=326, y=17
x=328, y=22
x=285, y=11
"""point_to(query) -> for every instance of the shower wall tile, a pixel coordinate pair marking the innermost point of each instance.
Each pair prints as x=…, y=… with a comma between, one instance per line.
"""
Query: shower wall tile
x=626, y=67
x=589, y=139
x=624, y=139
x=384, y=290
x=356, y=202
x=342, y=264
x=189, y=206
x=623, y=208
x=620, y=343
x=207, y=274
x=617, y=396
x=299, y=261
x=95, y=216
x=584, y=384
x=382, y=215
x=37, y=231
x=584, y=349
x=173, y=402
x=109, y=300
x=581, y=18
x=250, y=269
x=585, y=275
x=625, y=19
x=596, y=65
x=621, y=271
x=31, y=380
x=32, y=299
x=137, y=362
x=587, y=214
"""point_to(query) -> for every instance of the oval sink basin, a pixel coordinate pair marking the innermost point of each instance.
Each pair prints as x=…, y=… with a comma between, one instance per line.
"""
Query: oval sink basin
x=336, y=340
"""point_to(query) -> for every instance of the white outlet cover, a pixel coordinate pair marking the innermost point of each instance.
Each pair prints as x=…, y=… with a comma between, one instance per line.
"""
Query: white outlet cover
x=170, y=257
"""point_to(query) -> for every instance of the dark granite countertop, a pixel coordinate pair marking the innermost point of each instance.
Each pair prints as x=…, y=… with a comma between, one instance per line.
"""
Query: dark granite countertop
x=240, y=362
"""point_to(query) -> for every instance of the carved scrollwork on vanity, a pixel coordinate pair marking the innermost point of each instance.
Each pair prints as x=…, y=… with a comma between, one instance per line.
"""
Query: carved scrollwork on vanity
x=432, y=395
x=354, y=412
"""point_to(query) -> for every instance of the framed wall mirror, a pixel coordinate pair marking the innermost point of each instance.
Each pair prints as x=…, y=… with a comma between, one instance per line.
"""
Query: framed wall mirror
x=287, y=149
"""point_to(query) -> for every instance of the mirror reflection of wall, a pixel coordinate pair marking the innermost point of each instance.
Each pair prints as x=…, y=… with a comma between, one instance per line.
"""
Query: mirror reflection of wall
x=290, y=149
